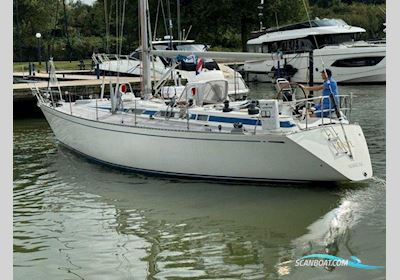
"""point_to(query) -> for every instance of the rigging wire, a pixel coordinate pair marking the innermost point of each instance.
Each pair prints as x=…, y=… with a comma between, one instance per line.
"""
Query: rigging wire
x=107, y=27
x=165, y=20
x=332, y=96
x=109, y=23
x=315, y=38
x=52, y=40
x=276, y=20
x=169, y=23
x=66, y=31
x=140, y=49
x=122, y=27
x=150, y=41
x=116, y=25
x=120, y=37
x=155, y=24
x=160, y=4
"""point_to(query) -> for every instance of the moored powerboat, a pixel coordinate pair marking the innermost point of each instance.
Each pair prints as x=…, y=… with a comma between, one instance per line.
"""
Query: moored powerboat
x=334, y=44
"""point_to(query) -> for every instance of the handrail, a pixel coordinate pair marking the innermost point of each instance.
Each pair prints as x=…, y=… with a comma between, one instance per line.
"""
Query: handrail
x=111, y=56
x=347, y=100
x=344, y=106
x=35, y=91
x=344, y=144
x=319, y=97
x=161, y=82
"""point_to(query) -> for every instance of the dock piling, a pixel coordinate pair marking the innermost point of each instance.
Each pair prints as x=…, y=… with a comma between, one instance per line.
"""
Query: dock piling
x=98, y=71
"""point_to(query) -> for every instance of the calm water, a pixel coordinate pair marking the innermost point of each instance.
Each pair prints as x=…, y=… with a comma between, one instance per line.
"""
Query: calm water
x=74, y=219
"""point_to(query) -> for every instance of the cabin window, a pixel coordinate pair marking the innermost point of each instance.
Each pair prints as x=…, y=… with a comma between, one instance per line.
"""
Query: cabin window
x=285, y=46
x=254, y=48
x=273, y=47
x=160, y=47
x=335, y=39
x=211, y=65
x=160, y=114
x=166, y=114
x=137, y=111
x=358, y=61
x=202, y=117
x=304, y=45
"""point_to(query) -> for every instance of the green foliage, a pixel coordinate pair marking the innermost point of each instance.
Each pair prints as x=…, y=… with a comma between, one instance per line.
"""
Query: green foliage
x=224, y=24
x=370, y=17
x=59, y=65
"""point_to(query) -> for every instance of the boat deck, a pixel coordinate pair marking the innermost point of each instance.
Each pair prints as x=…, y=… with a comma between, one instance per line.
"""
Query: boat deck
x=87, y=109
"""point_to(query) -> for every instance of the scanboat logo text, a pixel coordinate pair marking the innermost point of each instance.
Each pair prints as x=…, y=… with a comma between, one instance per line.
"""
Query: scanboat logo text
x=325, y=260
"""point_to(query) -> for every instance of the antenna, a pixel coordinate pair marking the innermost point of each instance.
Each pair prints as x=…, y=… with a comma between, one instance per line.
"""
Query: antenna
x=260, y=13
x=169, y=23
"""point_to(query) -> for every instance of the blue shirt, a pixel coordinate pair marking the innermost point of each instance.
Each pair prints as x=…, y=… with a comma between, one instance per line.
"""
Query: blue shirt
x=330, y=85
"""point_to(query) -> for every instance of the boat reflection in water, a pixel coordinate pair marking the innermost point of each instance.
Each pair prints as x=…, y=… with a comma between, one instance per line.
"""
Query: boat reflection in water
x=174, y=228
x=332, y=233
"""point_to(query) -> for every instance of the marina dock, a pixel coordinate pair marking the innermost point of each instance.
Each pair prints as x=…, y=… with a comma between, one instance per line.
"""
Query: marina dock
x=78, y=83
x=22, y=90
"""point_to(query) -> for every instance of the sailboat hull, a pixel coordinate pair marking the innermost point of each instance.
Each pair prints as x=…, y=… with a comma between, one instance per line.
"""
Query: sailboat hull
x=199, y=154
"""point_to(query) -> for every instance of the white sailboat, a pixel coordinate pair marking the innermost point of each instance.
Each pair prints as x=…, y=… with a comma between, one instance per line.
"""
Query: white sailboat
x=197, y=136
x=131, y=65
x=191, y=68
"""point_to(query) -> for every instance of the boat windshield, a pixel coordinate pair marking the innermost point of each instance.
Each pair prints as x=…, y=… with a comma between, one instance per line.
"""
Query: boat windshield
x=306, y=24
x=192, y=47
x=160, y=47
x=330, y=22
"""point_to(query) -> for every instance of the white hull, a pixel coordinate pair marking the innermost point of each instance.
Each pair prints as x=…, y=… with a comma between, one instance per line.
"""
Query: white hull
x=303, y=156
x=257, y=70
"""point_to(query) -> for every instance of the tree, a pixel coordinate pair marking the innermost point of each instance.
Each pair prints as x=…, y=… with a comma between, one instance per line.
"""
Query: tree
x=73, y=30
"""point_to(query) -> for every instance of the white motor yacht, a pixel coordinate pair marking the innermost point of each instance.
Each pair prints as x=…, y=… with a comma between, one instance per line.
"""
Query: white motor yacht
x=334, y=45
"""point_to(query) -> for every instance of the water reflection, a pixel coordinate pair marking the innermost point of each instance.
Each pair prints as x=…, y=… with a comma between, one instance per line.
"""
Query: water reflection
x=333, y=233
x=136, y=226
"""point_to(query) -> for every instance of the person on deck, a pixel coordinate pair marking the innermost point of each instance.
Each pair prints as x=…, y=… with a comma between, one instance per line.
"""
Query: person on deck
x=329, y=86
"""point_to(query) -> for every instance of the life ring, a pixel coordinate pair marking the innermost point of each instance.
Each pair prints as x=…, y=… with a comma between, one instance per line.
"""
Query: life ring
x=122, y=88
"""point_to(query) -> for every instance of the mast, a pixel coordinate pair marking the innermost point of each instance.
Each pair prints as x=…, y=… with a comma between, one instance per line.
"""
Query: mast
x=145, y=49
